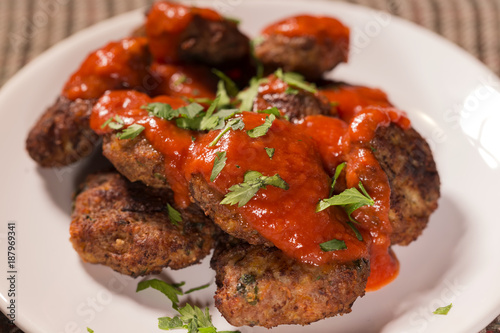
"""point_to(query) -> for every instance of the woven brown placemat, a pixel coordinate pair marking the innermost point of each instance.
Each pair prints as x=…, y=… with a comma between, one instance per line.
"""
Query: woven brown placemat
x=29, y=27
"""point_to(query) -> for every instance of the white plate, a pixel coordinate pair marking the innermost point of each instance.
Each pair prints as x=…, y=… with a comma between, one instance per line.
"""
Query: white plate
x=452, y=100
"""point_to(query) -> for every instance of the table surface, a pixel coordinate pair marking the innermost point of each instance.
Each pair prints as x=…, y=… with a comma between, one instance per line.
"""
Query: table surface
x=29, y=27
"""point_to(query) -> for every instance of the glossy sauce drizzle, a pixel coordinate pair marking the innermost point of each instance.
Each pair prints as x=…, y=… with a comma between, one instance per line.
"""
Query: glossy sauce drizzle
x=306, y=155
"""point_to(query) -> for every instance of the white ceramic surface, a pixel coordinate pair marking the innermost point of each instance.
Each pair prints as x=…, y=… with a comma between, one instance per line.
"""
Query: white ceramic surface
x=452, y=99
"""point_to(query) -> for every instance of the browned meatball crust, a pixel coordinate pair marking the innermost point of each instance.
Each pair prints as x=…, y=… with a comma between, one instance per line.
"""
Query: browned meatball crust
x=136, y=159
x=213, y=43
x=295, y=105
x=302, y=54
x=126, y=226
x=62, y=135
x=260, y=286
x=407, y=160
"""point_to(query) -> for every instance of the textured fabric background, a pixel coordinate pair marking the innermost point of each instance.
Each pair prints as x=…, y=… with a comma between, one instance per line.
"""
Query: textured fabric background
x=28, y=27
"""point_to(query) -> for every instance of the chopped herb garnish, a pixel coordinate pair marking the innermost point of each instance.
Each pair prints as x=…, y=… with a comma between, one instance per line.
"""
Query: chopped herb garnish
x=222, y=92
x=295, y=80
x=180, y=80
x=351, y=199
x=248, y=95
x=334, y=104
x=291, y=91
x=274, y=110
x=232, y=19
x=165, y=111
x=170, y=290
x=197, y=288
x=338, y=170
x=443, y=310
x=231, y=87
x=89, y=330
x=233, y=123
x=270, y=152
x=253, y=181
x=115, y=123
x=190, y=317
x=174, y=215
x=333, y=245
x=219, y=163
x=262, y=129
x=130, y=132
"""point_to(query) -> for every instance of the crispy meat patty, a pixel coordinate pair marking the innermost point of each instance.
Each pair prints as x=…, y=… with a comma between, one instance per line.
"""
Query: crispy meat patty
x=62, y=135
x=294, y=105
x=260, y=286
x=126, y=226
x=302, y=54
x=136, y=159
x=213, y=42
x=407, y=160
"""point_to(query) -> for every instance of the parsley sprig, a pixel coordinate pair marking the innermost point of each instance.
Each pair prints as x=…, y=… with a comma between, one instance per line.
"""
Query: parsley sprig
x=253, y=181
x=190, y=317
x=174, y=215
x=117, y=123
x=261, y=130
x=350, y=199
x=295, y=80
x=219, y=164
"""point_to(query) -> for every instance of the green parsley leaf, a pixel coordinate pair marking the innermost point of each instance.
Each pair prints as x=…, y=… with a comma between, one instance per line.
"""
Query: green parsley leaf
x=262, y=129
x=169, y=290
x=351, y=197
x=161, y=110
x=231, y=87
x=174, y=215
x=274, y=110
x=116, y=124
x=180, y=80
x=443, y=310
x=165, y=111
x=233, y=123
x=190, y=111
x=291, y=91
x=253, y=181
x=219, y=164
x=189, y=124
x=270, y=152
x=167, y=323
x=338, y=170
x=197, y=288
x=295, y=80
x=232, y=19
x=90, y=330
x=350, y=200
x=222, y=92
x=130, y=132
x=333, y=245
x=248, y=95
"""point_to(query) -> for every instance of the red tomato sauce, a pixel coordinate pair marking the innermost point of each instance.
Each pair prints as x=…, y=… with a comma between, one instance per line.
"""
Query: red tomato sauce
x=118, y=65
x=306, y=155
x=166, y=21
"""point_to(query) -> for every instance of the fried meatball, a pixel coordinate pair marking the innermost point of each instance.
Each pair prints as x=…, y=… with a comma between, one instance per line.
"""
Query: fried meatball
x=62, y=135
x=179, y=33
x=304, y=44
x=407, y=161
x=136, y=159
x=260, y=286
x=127, y=227
x=295, y=104
x=224, y=216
